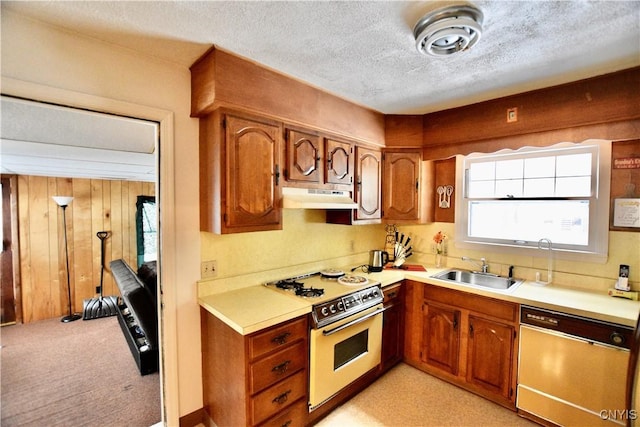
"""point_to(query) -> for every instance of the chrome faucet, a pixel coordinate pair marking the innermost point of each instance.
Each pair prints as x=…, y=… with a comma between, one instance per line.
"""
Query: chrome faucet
x=549, y=260
x=484, y=267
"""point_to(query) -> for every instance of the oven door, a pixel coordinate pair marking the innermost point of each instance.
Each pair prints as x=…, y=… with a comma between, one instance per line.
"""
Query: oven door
x=342, y=352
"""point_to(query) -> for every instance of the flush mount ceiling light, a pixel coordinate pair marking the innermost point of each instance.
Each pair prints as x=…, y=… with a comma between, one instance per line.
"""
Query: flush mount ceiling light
x=448, y=30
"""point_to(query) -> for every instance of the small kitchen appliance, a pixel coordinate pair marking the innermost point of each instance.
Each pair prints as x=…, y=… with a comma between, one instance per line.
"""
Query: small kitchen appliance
x=377, y=260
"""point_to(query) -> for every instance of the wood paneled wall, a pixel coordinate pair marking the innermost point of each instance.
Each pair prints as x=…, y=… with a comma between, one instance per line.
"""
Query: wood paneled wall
x=98, y=205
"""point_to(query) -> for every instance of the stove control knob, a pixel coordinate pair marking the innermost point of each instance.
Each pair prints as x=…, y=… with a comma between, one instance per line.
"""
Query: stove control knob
x=332, y=308
x=324, y=311
x=340, y=306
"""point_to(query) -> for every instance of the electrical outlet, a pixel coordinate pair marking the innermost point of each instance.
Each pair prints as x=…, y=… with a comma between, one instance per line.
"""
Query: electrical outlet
x=208, y=269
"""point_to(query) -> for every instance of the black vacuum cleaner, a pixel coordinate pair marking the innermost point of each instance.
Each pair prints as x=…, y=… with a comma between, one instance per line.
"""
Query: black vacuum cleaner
x=95, y=308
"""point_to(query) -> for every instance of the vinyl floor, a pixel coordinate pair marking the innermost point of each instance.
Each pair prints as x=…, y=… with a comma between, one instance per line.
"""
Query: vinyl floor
x=406, y=396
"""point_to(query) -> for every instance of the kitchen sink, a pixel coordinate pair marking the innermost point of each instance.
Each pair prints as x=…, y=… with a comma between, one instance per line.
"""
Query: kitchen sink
x=473, y=278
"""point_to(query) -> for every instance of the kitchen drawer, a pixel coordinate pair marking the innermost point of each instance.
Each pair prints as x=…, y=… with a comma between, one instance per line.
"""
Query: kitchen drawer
x=392, y=294
x=294, y=416
x=278, y=397
x=265, y=342
x=499, y=309
x=276, y=367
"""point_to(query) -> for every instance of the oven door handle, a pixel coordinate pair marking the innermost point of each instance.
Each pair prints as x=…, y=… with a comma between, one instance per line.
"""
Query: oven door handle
x=353, y=322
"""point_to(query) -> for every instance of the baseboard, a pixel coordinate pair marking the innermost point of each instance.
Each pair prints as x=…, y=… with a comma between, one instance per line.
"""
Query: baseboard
x=193, y=419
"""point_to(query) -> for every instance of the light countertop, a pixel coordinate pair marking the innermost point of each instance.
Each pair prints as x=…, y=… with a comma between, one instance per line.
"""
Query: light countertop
x=253, y=308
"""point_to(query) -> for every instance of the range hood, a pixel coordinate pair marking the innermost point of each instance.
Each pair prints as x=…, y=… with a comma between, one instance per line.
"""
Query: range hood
x=304, y=198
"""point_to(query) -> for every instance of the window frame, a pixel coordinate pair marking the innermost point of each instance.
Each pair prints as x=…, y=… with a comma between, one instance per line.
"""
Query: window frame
x=142, y=230
x=599, y=209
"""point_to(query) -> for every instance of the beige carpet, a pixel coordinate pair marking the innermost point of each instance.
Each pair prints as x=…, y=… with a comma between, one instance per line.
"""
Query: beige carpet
x=73, y=374
x=406, y=397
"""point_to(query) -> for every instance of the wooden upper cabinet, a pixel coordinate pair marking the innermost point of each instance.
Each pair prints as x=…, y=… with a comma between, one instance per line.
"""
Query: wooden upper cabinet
x=401, y=185
x=239, y=173
x=253, y=152
x=304, y=157
x=368, y=183
x=367, y=191
x=317, y=161
x=339, y=159
x=445, y=186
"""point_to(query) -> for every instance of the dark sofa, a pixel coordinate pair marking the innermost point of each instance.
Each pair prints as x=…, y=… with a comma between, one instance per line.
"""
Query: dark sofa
x=138, y=312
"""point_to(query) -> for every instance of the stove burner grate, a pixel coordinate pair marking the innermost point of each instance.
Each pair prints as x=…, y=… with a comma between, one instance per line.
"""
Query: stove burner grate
x=289, y=285
x=293, y=285
x=309, y=292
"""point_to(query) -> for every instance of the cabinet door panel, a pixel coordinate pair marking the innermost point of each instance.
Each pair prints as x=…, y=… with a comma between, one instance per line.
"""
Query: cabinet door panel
x=368, y=197
x=392, y=329
x=339, y=162
x=252, y=158
x=441, y=337
x=401, y=195
x=304, y=156
x=490, y=355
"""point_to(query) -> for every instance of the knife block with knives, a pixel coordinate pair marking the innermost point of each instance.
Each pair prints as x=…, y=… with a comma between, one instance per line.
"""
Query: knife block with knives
x=402, y=249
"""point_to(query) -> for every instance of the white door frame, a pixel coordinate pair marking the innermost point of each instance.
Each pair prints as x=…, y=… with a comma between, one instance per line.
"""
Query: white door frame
x=164, y=175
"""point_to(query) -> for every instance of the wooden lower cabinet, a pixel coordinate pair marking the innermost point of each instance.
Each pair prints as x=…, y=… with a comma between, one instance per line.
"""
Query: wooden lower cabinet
x=490, y=356
x=466, y=339
x=258, y=379
x=441, y=333
x=392, y=327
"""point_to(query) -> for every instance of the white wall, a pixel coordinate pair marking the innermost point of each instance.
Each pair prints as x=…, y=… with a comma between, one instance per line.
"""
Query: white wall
x=61, y=62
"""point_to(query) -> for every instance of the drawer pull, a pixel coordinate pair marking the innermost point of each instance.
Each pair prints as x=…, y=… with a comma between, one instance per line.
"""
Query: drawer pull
x=281, y=368
x=392, y=294
x=281, y=398
x=287, y=424
x=281, y=339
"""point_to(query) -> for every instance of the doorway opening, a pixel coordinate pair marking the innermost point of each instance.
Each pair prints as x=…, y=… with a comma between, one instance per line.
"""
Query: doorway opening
x=74, y=154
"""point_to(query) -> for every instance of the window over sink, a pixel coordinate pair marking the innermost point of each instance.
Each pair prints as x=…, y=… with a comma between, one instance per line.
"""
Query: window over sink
x=512, y=199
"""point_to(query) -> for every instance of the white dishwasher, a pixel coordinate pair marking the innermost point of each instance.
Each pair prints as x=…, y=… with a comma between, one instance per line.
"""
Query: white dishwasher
x=572, y=370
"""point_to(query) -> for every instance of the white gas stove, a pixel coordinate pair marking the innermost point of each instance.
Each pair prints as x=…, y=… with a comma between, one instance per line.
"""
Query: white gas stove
x=333, y=293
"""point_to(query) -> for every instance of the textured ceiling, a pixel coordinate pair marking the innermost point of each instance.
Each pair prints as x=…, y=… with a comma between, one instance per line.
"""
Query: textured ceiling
x=365, y=51
x=49, y=140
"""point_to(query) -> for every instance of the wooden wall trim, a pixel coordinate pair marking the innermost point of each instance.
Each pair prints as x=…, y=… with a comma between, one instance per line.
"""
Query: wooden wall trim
x=403, y=131
x=98, y=205
x=609, y=98
x=606, y=107
x=221, y=79
x=610, y=131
